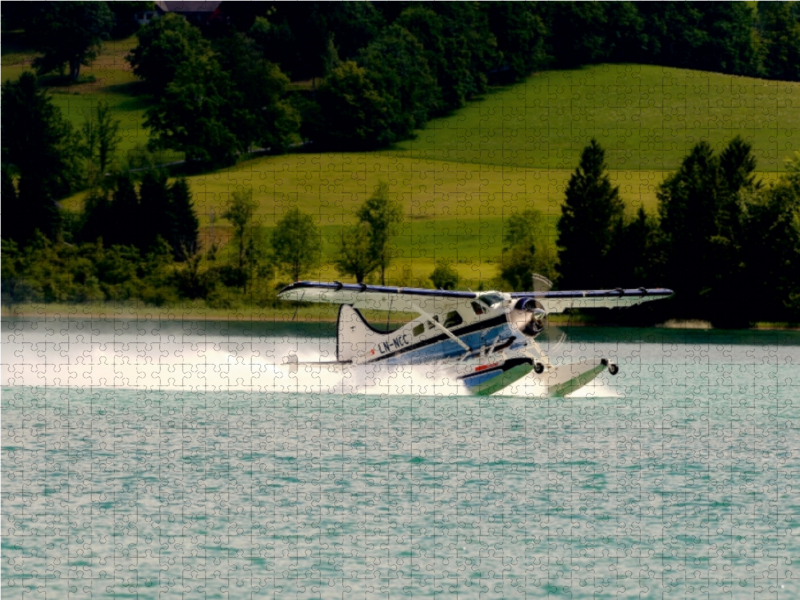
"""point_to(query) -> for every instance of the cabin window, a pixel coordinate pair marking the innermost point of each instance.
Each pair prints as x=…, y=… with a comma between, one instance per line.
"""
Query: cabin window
x=490, y=299
x=452, y=319
x=430, y=323
x=477, y=308
x=418, y=329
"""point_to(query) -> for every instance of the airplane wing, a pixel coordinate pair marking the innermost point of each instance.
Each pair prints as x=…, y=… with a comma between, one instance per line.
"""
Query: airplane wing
x=412, y=300
x=375, y=297
x=556, y=302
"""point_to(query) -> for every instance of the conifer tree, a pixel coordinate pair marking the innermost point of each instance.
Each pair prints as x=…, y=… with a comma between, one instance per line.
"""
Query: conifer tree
x=688, y=203
x=37, y=147
x=588, y=216
x=184, y=227
x=154, y=200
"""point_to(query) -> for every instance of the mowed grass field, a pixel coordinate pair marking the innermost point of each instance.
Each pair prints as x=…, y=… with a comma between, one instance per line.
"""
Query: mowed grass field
x=453, y=211
x=646, y=117
x=464, y=174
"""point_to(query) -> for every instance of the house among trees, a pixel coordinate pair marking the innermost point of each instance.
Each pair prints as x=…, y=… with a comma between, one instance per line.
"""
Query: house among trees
x=198, y=13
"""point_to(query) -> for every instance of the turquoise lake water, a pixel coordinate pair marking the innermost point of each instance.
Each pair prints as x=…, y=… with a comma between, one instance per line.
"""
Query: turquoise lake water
x=153, y=460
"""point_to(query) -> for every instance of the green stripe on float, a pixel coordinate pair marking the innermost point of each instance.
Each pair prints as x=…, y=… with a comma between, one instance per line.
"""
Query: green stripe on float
x=562, y=389
x=496, y=384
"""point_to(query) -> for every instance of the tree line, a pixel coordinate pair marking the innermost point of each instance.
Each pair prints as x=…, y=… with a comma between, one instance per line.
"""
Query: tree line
x=385, y=69
x=152, y=254
x=728, y=244
x=382, y=70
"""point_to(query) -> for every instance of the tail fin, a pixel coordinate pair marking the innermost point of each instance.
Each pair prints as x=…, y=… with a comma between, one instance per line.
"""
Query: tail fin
x=354, y=336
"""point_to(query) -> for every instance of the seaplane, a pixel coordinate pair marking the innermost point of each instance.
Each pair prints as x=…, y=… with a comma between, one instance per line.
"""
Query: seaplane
x=483, y=341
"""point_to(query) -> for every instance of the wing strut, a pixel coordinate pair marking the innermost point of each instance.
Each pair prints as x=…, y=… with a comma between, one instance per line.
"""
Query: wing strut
x=446, y=331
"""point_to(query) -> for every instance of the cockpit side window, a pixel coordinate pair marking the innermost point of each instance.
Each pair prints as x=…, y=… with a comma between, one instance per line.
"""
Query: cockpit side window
x=490, y=299
x=452, y=319
x=477, y=308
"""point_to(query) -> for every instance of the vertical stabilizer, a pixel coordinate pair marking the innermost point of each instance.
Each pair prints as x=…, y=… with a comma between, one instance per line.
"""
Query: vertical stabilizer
x=354, y=336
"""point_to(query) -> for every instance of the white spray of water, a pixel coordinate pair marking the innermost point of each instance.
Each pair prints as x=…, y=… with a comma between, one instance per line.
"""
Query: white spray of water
x=47, y=357
x=154, y=359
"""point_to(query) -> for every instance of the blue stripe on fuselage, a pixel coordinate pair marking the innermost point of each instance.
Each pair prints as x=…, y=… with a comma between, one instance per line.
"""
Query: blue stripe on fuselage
x=448, y=348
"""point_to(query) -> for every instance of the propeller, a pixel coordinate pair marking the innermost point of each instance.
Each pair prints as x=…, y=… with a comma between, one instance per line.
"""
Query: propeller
x=552, y=337
x=530, y=317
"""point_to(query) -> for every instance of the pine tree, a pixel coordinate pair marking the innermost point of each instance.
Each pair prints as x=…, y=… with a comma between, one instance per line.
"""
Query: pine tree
x=184, y=226
x=588, y=216
x=688, y=204
x=154, y=201
x=127, y=222
x=634, y=252
x=36, y=141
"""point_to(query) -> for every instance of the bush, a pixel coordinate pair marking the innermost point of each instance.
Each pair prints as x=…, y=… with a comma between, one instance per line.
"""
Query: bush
x=444, y=276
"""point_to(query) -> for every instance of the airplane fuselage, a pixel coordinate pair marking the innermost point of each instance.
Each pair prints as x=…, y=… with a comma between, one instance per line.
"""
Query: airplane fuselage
x=479, y=327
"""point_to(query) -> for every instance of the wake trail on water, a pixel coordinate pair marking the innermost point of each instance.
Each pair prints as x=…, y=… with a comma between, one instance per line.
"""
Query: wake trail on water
x=174, y=361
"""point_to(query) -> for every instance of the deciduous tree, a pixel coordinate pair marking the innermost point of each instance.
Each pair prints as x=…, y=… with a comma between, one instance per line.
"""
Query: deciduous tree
x=196, y=113
x=444, y=276
x=396, y=65
x=260, y=115
x=164, y=45
x=100, y=136
x=354, y=255
x=352, y=113
x=383, y=215
x=239, y=213
x=521, y=36
x=296, y=243
x=69, y=33
x=780, y=38
x=526, y=250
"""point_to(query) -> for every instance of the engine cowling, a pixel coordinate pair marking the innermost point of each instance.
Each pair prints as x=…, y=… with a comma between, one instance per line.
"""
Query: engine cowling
x=528, y=315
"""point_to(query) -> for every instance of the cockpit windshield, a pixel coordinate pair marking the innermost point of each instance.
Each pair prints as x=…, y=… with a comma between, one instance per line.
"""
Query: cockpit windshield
x=491, y=299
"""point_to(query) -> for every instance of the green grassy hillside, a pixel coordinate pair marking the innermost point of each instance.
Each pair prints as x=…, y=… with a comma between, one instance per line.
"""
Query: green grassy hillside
x=467, y=172
x=453, y=211
x=646, y=117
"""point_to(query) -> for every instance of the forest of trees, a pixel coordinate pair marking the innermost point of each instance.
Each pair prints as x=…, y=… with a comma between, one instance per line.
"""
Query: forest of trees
x=725, y=242
x=381, y=70
x=377, y=72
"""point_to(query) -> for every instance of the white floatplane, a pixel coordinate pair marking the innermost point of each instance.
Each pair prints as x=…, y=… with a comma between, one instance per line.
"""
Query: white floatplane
x=486, y=340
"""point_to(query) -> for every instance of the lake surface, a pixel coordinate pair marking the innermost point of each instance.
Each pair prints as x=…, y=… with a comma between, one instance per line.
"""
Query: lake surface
x=176, y=460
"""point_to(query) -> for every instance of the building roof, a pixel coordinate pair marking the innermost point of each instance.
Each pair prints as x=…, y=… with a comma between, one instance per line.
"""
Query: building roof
x=188, y=7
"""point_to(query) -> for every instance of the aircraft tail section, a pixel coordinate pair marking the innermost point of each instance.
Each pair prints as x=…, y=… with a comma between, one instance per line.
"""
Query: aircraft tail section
x=354, y=336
